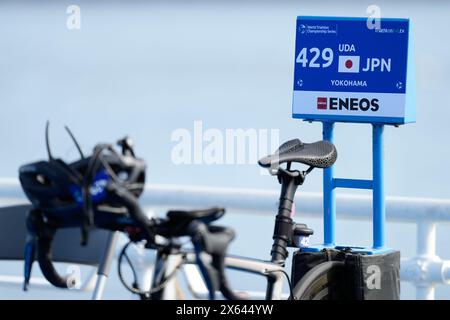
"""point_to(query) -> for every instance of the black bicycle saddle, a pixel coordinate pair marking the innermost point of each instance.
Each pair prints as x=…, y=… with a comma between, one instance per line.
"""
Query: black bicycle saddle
x=178, y=221
x=320, y=154
x=205, y=215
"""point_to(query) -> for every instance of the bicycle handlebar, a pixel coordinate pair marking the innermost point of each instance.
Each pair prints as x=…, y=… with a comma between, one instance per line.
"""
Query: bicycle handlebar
x=43, y=234
x=44, y=257
x=38, y=245
x=213, y=240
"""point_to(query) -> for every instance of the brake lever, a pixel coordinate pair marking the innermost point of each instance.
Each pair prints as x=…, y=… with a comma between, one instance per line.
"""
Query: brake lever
x=210, y=244
x=29, y=257
x=30, y=246
x=38, y=247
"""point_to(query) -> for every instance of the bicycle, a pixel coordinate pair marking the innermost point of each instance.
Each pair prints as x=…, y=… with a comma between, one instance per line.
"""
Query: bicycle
x=102, y=191
x=93, y=192
x=321, y=282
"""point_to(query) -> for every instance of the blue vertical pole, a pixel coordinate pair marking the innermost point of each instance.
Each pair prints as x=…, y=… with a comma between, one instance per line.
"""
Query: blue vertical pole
x=379, y=211
x=329, y=204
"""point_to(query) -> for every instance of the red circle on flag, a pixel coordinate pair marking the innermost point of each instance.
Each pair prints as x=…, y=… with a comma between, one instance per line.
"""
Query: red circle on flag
x=348, y=64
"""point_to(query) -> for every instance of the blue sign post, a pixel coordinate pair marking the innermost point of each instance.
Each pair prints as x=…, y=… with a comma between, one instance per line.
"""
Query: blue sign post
x=348, y=71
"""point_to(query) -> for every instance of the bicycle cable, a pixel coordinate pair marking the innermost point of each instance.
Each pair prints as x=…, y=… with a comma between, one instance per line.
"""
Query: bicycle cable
x=287, y=278
x=135, y=288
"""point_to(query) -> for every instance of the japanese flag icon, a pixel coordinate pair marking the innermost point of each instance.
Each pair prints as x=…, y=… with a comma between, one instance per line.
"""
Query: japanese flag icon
x=349, y=64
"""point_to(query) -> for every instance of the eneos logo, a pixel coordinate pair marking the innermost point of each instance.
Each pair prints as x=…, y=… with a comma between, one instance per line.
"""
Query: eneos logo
x=352, y=104
x=322, y=103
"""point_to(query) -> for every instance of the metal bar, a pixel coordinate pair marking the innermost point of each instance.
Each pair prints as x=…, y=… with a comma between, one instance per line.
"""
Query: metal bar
x=263, y=202
x=426, y=239
x=144, y=262
x=379, y=210
x=425, y=292
x=329, y=200
x=353, y=183
x=424, y=271
x=99, y=287
x=426, y=249
x=105, y=265
x=170, y=289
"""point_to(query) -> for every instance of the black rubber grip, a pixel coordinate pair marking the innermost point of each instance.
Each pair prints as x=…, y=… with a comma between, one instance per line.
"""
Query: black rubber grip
x=44, y=256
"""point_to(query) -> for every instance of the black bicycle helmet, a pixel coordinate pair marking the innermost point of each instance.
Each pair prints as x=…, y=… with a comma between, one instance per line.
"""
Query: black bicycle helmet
x=56, y=187
x=100, y=190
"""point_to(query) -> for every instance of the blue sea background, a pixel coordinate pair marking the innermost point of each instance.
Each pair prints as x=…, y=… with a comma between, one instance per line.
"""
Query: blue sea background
x=148, y=68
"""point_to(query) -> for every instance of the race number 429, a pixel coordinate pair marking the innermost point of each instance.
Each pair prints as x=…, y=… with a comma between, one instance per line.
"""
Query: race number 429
x=315, y=58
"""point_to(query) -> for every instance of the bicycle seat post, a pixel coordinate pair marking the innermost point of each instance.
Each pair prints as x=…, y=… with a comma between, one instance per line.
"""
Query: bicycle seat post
x=282, y=234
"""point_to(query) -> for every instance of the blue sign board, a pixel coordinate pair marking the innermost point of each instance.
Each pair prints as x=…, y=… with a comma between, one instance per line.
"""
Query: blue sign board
x=349, y=70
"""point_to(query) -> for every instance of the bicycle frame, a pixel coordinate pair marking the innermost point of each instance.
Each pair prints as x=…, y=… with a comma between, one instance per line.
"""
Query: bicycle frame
x=273, y=271
x=165, y=264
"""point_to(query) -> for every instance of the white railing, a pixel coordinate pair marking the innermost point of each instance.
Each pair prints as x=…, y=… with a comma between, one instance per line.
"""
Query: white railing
x=425, y=270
